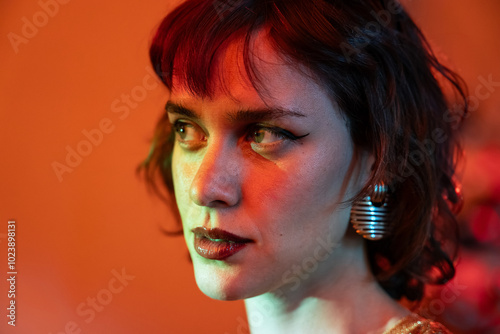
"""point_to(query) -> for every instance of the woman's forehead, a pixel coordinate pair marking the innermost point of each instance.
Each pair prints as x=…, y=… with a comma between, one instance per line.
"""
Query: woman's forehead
x=275, y=81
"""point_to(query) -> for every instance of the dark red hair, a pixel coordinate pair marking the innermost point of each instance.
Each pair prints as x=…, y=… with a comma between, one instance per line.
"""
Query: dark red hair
x=379, y=69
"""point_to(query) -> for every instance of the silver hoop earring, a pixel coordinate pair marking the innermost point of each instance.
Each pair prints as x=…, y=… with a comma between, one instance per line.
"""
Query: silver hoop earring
x=370, y=215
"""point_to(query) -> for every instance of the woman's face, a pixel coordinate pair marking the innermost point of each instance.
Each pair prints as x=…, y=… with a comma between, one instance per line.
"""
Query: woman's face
x=259, y=179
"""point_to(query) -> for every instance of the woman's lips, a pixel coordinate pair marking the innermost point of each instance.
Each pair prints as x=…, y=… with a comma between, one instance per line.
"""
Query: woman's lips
x=217, y=244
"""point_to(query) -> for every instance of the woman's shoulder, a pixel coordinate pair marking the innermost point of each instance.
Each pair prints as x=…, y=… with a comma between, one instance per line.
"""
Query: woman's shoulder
x=415, y=324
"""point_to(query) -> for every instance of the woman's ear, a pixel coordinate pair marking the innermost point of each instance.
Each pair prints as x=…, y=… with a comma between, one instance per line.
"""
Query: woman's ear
x=358, y=173
x=367, y=165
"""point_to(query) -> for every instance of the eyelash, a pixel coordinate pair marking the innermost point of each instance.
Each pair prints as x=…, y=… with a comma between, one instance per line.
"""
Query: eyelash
x=275, y=131
x=249, y=132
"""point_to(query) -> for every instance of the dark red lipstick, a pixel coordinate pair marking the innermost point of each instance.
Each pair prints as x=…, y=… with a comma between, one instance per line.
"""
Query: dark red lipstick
x=217, y=244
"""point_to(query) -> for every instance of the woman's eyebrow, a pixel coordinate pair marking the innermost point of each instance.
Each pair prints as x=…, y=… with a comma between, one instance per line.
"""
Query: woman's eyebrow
x=255, y=115
x=240, y=116
x=173, y=108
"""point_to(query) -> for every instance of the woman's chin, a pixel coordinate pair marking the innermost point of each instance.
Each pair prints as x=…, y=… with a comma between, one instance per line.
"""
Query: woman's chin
x=224, y=283
x=219, y=292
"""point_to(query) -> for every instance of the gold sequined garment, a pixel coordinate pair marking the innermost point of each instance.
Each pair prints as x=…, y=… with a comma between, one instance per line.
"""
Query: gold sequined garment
x=414, y=324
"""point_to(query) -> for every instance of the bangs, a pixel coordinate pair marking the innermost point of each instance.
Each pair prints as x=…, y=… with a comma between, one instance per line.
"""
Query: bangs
x=192, y=40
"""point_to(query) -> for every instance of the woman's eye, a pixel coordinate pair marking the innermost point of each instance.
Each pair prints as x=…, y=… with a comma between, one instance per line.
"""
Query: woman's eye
x=190, y=135
x=266, y=136
x=270, y=136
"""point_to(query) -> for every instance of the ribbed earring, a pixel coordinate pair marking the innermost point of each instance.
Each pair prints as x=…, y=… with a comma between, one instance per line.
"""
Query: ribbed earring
x=370, y=215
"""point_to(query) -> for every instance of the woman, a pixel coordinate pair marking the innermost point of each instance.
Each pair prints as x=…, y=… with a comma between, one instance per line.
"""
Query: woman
x=285, y=122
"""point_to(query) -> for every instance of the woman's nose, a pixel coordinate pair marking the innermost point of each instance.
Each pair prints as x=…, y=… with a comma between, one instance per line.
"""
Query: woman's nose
x=217, y=180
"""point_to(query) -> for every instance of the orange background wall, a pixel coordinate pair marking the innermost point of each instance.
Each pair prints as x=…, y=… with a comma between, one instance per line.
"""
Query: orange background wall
x=69, y=76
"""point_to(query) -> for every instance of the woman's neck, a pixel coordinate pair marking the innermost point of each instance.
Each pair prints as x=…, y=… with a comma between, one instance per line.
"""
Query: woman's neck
x=346, y=299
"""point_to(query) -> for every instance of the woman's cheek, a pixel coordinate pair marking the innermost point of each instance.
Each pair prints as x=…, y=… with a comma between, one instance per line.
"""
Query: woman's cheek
x=271, y=185
x=182, y=180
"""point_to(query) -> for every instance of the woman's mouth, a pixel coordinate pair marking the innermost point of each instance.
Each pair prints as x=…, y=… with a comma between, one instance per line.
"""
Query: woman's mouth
x=217, y=244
